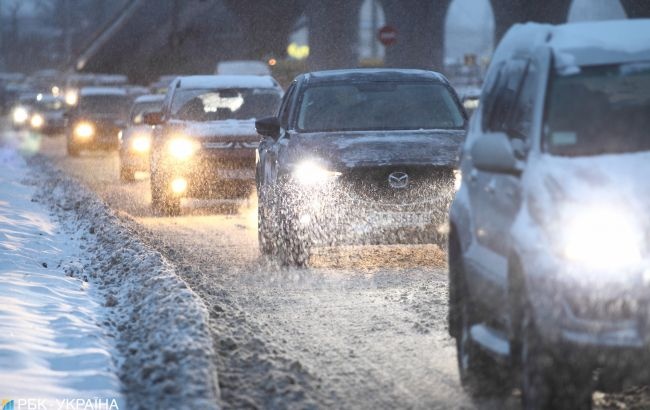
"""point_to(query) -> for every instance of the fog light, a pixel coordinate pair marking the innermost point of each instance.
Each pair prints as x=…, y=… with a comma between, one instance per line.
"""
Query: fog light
x=179, y=185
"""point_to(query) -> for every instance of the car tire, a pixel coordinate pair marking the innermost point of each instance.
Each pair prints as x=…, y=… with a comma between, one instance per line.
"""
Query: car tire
x=127, y=174
x=548, y=382
x=72, y=150
x=294, y=243
x=162, y=202
x=480, y=374
x=265, y=236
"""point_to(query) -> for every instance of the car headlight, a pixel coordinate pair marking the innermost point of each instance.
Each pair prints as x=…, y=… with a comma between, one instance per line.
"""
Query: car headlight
x=84, y=130
x=182, y=148
x=602, y=238
x=20, y=115
x=37, y=121
x=141, y=143
x=311, y=173
x=71, y=97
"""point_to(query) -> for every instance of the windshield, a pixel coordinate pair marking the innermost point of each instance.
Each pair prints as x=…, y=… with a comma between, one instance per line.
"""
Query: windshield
x=600, y=110
x=105, y=104
x=138, y=110
x=50, y=105
x=379, y=106
x=225, y=104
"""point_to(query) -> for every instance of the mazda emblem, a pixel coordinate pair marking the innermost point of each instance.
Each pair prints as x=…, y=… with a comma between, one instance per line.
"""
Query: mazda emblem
x=398, y=180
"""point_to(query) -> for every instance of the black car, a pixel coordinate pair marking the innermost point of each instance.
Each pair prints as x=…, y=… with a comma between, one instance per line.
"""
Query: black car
x=204, y=139
x=358, y=156
x=97, y=119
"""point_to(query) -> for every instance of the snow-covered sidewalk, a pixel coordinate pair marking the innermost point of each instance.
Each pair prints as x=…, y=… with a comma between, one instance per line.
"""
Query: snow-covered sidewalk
x=52, y=347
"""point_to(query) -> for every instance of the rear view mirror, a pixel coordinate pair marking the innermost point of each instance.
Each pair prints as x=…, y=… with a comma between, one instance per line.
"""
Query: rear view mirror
x=268, y=127
x=495, y=153
x=153, y=118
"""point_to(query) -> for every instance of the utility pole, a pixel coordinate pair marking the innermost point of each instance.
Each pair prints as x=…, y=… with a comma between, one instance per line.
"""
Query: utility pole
x=67, y=32
x=374, y=28
x=2, y=32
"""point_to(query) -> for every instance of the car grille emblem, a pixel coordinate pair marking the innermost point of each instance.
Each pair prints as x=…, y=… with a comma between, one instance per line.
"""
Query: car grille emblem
x=398, y=180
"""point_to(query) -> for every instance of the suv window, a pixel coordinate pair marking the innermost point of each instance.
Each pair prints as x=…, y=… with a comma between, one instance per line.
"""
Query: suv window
x=505, y=95
x=285, y=108
x=521, y=119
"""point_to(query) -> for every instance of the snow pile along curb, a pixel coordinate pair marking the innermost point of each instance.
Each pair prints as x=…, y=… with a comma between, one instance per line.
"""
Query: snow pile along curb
x=161, y=325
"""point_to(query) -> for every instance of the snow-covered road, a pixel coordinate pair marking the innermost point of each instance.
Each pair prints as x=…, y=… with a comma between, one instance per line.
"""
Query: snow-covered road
x=364, y=327
x=51, y=346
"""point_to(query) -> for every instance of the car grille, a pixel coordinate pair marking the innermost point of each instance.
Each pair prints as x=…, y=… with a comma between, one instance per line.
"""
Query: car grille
x=426, y=185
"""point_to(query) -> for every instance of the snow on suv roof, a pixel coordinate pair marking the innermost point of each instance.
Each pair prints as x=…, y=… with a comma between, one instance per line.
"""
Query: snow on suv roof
x=373, y=73
x=585, y=43
x=604, y=42
x=149, y=98
x=228, y=81
x=102, y=91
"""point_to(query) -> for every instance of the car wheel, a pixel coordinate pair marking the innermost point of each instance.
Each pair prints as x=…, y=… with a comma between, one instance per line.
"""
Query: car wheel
x=265, y=237
x=127, y=174
x=546, y=381
x=162, y=202
x=480, y=374
x=295, y=243
x=72, y=150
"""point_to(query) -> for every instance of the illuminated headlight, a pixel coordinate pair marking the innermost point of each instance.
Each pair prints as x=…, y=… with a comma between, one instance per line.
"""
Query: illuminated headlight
x=458, y=178
x=311, y=173
x=37, y=121
x=71, y=97
x=20, y=115
x=602, y=238
x=140, y=143
x=84, y=130
x=182, y=148
x=471, y=103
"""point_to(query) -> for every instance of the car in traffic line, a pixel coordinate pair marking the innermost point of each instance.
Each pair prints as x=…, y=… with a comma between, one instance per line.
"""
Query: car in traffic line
x=548, y=244
x=358, y=156
x=135, y=140
x=47, y=114
x=95, y=122
x=205, y=139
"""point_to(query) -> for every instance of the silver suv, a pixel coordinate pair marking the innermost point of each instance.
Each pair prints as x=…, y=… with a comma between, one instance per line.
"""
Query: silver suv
x=549, y=252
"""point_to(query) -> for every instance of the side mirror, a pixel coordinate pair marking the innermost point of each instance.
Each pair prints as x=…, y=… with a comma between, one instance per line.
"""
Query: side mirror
x=495, y=153
x=268, y=127
x=153, y=118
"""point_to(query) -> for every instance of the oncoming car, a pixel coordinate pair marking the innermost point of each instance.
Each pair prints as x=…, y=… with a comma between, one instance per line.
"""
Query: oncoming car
x=47, y=115
x=97, y=119
x=135, y=140
x=204, y=140
x=358, y=156
x=548, y=245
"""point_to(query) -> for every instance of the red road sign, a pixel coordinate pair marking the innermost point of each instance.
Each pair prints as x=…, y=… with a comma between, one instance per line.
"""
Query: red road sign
x=387, y=35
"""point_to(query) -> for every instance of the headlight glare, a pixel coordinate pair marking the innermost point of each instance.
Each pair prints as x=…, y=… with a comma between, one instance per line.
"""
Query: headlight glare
x=311, y=173
x=602, y=238
x=20, y=115
x=37, y=121
x=141, y=143
x=182, y=148
x=84, y=130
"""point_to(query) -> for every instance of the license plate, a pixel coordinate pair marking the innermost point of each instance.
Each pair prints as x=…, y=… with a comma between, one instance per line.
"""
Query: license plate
x=236, y=173
x=398, y=219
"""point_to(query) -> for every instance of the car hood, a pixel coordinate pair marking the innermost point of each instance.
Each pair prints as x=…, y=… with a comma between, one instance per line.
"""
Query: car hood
x=229, y=128
x=615, y=181
x=380, y=148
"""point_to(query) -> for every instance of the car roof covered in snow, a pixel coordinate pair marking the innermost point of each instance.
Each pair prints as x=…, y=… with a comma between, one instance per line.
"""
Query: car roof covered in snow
x=86, y=91
x=149, y=98
x=227, y=81
x=584, y=43
x=375, y=74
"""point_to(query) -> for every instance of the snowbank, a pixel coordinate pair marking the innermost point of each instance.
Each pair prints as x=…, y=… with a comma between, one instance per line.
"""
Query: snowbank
x=51, y=346
x=161, y=326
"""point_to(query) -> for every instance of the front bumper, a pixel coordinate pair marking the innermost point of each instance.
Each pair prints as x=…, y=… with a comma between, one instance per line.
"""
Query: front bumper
x=333, y=215
x=210, y=177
